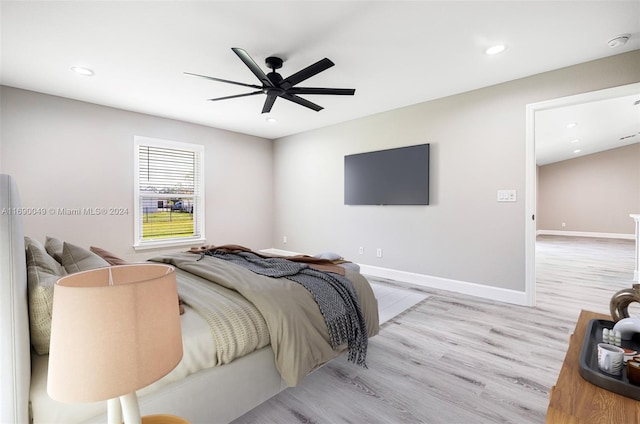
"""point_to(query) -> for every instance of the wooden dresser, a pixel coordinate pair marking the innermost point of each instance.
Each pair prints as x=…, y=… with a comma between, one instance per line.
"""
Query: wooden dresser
x=573, y=400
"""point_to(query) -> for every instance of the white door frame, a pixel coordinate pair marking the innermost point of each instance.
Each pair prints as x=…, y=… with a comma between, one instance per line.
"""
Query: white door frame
x=531, y=171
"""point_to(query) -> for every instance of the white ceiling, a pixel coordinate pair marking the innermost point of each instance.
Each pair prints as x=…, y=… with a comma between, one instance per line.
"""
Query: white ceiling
x=394, y=53
x=570, y=131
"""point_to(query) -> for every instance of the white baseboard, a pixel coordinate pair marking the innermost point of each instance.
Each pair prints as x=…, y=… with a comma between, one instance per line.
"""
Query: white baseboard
x=463, y=287
x=585, y=234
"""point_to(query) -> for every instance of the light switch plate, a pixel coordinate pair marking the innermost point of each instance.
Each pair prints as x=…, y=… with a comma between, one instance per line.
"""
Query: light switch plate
x=506, y=195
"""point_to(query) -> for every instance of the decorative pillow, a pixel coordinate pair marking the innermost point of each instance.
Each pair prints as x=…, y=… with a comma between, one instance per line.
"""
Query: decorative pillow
x=53, y=246
x=42, y=273
x=328, y=255
x=76, y=259
x=108, y=256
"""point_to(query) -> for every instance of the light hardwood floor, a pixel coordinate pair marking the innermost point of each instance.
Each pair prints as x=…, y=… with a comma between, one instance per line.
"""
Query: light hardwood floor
x=460, y=359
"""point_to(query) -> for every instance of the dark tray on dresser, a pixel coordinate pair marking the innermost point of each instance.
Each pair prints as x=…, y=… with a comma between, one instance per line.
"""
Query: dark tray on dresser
x=589, y=361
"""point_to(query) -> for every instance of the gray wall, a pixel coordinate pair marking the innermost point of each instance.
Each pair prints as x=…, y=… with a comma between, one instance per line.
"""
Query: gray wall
x=592, y=194
x=478, y=147
x=70, y=154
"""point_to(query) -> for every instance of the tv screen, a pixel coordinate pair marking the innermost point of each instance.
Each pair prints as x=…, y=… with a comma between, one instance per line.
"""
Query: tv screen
x=388, y=177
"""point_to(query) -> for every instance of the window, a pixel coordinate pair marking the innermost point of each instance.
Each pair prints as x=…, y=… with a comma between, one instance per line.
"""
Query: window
x=169, y=193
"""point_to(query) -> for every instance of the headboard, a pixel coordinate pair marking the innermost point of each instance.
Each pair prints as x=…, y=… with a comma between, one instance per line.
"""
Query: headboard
x=15, y=351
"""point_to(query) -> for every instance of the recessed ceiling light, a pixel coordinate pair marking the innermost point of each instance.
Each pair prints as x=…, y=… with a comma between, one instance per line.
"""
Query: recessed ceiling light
x=575, y=140
x=82, y=71
x=572, y=125
x=576, y=151
x=271, y=120
x=498, y=48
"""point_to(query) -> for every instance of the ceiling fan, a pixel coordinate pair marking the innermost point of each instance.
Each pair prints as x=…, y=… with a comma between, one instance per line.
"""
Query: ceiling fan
x=274, y=86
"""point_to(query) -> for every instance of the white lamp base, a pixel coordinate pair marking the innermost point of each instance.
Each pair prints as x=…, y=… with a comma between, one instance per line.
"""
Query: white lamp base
x=126, y=407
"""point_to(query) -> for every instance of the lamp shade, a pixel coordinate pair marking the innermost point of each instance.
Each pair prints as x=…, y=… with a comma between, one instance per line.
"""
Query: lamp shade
x=114, y=330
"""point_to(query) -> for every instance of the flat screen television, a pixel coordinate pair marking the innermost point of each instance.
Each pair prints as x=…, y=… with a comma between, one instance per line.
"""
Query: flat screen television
x=397, y=176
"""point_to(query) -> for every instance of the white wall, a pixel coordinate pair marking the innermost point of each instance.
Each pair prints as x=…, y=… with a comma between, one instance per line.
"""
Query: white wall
x=477, y=145
x=70, y=154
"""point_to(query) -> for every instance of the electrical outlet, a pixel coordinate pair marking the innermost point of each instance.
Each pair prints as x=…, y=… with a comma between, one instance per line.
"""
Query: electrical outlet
x=379, y=252
x=361, y=250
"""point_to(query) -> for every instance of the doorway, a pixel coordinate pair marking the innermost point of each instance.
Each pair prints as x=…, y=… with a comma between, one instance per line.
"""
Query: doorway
x=531, y=169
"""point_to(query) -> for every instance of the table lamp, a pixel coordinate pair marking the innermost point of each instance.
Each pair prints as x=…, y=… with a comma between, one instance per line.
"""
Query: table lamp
x=114, y=330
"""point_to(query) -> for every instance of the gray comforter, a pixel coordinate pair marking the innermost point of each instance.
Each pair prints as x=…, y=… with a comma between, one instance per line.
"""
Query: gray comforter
x=298, y=333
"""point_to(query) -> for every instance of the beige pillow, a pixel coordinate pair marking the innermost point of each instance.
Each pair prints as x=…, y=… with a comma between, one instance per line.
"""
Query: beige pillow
x=53, y=246
x=76, y=259
x=42, y=273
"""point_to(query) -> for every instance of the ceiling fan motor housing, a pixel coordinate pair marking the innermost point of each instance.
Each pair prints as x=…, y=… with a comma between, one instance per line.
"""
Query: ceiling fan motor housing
x=274, y=77
x=274, y=63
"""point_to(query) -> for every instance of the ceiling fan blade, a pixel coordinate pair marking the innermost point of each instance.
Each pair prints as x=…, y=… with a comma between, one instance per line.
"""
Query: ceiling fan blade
x=268, y=103
x=253, y=66
x=299, y=100
x=317, y=90
x=236, y=96
x=223, y=80
x=306, y=73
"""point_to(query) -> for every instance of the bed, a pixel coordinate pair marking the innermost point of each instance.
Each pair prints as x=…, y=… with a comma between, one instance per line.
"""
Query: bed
x=206, y=387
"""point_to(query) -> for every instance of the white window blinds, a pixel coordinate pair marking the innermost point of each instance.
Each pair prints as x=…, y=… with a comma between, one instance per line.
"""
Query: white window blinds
x=169, y=192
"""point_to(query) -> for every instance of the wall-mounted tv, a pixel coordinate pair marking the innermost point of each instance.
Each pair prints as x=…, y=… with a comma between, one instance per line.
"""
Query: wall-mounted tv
x=388, y=177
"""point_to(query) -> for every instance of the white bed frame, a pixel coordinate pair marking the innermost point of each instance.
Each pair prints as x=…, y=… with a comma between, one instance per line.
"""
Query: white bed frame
x=215, y=395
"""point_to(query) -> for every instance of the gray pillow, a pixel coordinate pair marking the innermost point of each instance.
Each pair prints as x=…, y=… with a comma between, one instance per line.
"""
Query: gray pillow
x=328, y=255
x=53, y=246
x=76, y=259
x=42, y=273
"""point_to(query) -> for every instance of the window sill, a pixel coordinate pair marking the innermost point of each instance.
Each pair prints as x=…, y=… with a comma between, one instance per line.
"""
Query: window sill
x=156, y=244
